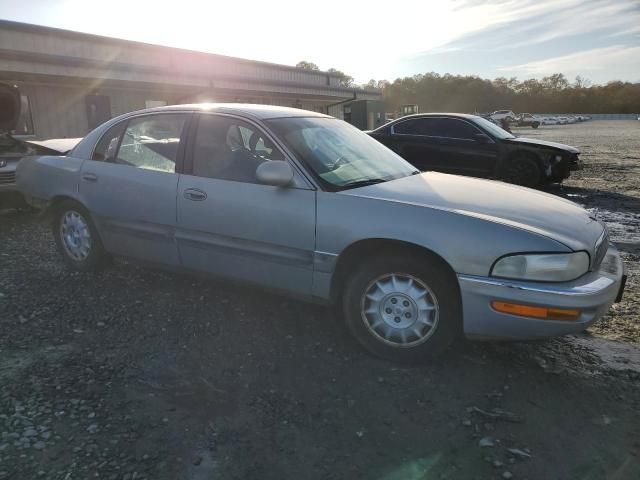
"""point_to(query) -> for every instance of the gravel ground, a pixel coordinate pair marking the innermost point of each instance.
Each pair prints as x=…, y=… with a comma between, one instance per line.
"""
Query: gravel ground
x=609, y=186
x=136, y=373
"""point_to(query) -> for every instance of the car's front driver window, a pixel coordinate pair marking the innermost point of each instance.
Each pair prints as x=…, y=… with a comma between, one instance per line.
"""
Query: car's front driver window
x=152, y=142
x=229, y=149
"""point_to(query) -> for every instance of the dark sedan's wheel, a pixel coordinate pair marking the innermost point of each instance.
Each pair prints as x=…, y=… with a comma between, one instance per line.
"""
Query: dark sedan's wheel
x=77, y=238
x=522, y=170
x=402, y=308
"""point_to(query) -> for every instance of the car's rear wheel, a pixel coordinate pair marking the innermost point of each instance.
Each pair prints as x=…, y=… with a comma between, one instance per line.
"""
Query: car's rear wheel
x=403, y=308
x=522, y=170
x=77, y=238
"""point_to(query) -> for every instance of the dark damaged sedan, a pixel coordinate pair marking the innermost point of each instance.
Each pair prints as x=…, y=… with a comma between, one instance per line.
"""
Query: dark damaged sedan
x=473, y=146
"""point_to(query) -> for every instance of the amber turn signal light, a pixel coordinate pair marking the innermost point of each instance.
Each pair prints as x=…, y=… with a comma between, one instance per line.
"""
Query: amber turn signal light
x=543, y=313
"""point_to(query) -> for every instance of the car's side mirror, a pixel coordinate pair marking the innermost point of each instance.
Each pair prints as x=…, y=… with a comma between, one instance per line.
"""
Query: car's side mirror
x=277, y=173
x=481, y=138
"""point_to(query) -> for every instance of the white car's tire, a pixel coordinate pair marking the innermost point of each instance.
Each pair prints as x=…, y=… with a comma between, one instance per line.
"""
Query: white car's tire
x=76, y=237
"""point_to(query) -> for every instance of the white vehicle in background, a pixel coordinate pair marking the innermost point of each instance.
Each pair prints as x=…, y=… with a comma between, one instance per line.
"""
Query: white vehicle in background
x=563, y=120
x=572, y=119
x=502, y=114
x=550, y=121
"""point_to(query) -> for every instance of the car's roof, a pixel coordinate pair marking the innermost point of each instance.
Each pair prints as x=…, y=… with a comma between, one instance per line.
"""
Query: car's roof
x=262, y=112
x=428, y=115
x=247, y=110
x=433, y=114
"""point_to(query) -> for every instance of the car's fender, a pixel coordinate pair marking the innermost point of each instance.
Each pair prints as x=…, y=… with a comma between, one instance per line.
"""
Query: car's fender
x=468, y=244
x=41, y=179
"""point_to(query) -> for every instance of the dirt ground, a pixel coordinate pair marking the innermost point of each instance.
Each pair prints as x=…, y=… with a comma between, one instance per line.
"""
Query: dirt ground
x=136, y=373
x=609, y=186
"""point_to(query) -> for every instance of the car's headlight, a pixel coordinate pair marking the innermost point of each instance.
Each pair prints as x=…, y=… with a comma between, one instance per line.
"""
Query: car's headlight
x=547, y=267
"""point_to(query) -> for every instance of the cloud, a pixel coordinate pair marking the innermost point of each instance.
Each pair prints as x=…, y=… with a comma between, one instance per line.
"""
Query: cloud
x=597, y=59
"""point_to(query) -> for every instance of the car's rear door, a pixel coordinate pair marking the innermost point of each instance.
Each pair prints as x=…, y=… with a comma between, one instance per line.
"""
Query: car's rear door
x=231, y=226
x=130, y=184
x=409, y=140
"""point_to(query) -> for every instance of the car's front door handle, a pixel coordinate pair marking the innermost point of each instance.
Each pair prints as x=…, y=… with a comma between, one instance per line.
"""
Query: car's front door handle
x=90, y=177
x=194, y=194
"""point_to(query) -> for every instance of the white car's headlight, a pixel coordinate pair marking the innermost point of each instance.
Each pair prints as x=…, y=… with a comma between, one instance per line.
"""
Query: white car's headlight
x=546, y=267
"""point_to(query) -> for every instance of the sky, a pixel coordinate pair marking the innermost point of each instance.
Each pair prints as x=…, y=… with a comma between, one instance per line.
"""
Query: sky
x=596, y=39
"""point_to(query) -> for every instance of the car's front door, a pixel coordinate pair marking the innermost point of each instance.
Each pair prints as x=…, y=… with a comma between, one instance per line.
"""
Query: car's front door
x=229, y=225
x=465, y=148
x=130, y=184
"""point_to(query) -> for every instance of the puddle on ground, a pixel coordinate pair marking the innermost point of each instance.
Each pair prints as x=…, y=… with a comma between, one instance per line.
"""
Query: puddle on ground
x=624, y=227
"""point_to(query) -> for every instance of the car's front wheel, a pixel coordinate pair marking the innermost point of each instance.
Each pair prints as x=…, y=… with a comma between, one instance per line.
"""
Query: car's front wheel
x=403, y=308
x=522, y=170
x=77, y=238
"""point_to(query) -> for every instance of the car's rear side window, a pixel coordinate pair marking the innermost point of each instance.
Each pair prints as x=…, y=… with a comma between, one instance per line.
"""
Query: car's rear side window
x=151, y=142
x=107, y=147
x=416, y=126
x=437, y=127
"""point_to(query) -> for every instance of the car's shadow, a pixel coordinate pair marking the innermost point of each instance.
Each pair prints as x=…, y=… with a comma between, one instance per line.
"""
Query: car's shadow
x=592, y=197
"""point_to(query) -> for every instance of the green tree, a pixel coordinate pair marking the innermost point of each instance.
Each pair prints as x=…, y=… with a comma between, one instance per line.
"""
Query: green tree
x=433, y=92
x=345, y=80
x=307, y=65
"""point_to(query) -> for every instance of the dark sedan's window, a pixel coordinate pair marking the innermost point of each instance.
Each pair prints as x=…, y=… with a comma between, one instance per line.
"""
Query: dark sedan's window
x=152, y=142
x=437, y=127
x=411, y=127
x=453, y=128
x=107, y=147
x=230, y=149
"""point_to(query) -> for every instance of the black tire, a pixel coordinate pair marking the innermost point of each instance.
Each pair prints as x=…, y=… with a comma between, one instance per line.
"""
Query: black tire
x=522, y=170
x=431, y=272
x=97, y=257
x=535, y=125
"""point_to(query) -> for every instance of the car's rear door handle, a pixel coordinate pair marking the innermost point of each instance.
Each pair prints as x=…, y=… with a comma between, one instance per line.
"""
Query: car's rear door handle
x=194, y=194
x=90, y=177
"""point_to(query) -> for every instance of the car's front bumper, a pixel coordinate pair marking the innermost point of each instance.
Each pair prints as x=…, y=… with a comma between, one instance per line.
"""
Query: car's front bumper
x=592, y=294
x=576, y=164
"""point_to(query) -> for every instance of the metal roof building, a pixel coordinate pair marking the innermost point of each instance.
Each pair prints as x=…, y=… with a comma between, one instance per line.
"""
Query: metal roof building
x=71, y=82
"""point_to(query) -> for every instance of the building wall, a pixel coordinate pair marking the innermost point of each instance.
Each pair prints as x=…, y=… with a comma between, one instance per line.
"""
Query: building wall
x=57, y=70
x=60, y=111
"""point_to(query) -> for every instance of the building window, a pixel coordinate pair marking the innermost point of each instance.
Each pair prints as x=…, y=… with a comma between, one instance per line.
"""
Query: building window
x=98, y=110
x=155, y=103
x=25, y=123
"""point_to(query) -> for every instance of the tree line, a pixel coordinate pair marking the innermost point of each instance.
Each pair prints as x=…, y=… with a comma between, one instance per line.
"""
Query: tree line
x=433, y=92
x=553, y=94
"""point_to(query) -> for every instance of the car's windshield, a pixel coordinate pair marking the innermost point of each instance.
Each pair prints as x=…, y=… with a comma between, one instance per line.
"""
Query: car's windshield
x=492, y=128
x=340, y=155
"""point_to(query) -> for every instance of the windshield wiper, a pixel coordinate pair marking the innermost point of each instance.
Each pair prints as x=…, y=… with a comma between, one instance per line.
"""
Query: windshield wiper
x=363, y=183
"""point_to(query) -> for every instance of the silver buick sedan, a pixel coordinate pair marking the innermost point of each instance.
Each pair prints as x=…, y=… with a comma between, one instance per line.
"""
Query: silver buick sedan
x=308, y=205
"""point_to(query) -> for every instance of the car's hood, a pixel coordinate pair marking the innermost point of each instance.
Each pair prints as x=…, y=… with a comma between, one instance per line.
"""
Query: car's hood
x=520, y=207
x=554, y=145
